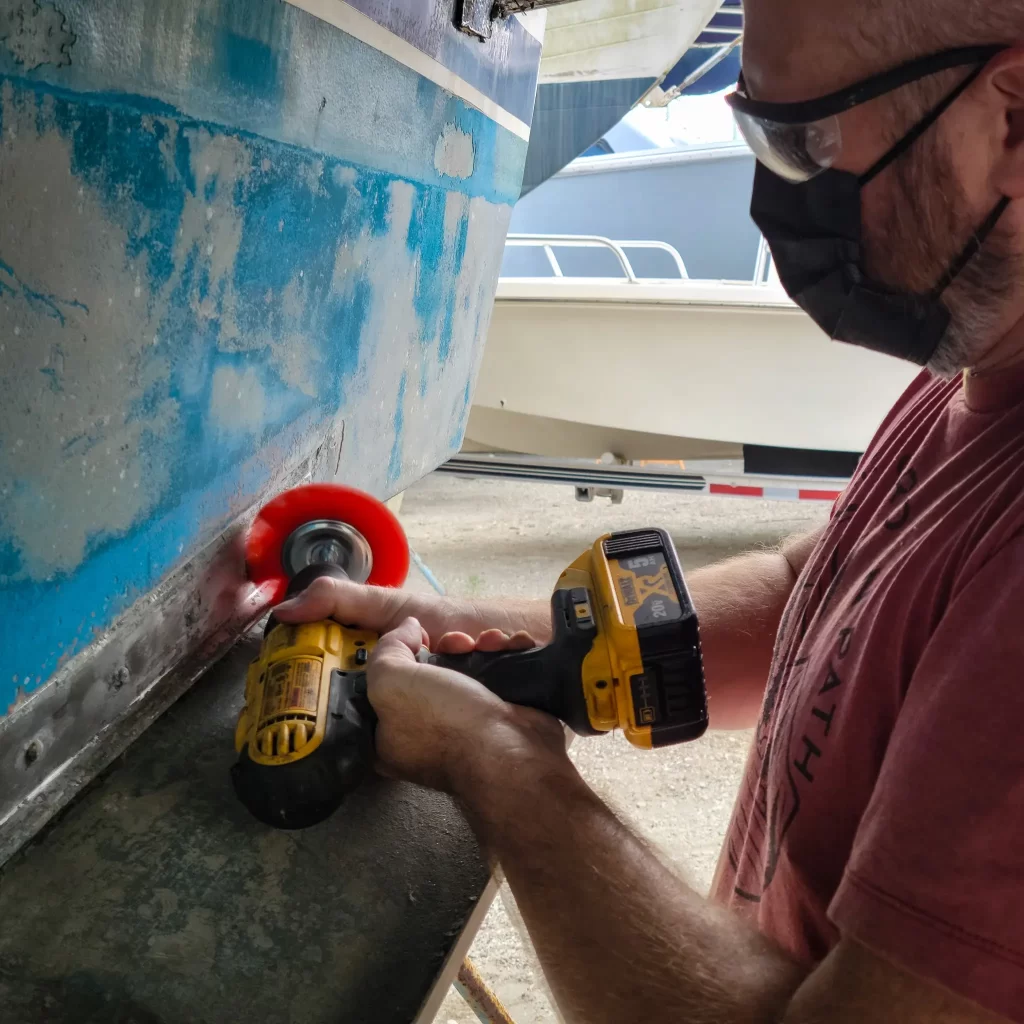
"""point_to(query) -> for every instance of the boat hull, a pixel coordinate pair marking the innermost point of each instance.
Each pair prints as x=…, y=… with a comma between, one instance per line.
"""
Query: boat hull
x=244, y=243
x=671, y=370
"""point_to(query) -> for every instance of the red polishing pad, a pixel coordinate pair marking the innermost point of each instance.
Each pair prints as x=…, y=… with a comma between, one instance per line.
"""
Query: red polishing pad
x=278, y=520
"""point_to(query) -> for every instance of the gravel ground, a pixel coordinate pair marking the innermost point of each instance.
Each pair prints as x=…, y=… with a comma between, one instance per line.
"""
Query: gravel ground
x=492, y=538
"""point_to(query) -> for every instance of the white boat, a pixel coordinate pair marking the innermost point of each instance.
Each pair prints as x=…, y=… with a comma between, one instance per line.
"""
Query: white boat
x=694, y=197
x=670, y=368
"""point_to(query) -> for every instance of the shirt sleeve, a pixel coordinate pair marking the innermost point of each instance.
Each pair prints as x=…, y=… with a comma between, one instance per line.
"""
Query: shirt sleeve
x=935, y=880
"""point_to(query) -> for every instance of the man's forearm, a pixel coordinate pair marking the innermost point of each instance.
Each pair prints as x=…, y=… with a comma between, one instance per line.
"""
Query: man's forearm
x=620, y=936
x=511, y=615
x=740, y=605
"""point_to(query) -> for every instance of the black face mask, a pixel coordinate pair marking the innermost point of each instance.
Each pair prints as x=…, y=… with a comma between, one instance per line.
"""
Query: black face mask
x=814, y=231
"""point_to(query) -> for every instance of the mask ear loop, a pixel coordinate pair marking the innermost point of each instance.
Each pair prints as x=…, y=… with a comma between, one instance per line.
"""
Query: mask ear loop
x=981, y=236
x=920, y=128
x=973, y=247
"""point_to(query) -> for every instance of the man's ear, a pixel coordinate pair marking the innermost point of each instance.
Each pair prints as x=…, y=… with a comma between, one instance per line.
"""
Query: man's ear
x=1005, y=81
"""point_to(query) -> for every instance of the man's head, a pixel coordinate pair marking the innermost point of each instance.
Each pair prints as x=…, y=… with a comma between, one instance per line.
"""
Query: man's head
x=920, y=213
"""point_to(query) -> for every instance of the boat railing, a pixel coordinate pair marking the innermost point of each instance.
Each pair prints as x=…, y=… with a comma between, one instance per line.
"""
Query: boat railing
x=548, y=244
x=763, y=265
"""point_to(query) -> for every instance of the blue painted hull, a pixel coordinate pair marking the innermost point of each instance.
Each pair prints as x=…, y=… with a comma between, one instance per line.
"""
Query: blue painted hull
x=234, y=239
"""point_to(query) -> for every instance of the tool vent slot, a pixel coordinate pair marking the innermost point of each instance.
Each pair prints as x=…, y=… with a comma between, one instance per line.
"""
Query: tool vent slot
x=285, y=734
x=683, y=702
x=633, y=544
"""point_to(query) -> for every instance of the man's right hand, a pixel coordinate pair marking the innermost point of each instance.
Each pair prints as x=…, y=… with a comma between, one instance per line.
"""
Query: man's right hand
x=483, y=625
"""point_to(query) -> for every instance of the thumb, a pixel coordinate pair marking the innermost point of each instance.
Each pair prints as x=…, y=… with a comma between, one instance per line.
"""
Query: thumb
x=402, y=644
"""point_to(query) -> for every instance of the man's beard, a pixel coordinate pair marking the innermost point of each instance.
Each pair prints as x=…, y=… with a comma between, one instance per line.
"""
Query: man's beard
x=924, y=231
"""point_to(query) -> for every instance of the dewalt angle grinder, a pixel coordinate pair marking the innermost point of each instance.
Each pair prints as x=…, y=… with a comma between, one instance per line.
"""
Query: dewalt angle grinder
x=625, y=652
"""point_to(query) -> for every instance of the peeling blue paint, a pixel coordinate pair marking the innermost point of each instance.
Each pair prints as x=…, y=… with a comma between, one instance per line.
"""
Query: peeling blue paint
x=252, y=279
x=243, y=61
x=398, y=429
x=251, y=64
x=64, y=617
x=112, y=153
x=428, y=247
x=448, y=326
x=458, y=434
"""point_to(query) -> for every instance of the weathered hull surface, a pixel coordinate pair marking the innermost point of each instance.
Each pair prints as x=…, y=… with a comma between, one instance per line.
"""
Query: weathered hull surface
x=241, y=244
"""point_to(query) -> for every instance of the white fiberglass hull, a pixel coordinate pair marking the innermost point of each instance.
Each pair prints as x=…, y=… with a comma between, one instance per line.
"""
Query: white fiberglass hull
x=600, y=40
x=670, y=370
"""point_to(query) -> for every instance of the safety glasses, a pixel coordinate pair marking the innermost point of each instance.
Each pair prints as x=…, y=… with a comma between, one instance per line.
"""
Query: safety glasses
x=800, y=140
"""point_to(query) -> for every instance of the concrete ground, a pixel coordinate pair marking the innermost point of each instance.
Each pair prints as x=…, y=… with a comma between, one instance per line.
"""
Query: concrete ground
x=489, y=538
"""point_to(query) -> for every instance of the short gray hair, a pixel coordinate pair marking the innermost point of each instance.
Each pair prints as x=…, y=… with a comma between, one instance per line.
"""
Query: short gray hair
x=885, y=33
x=915, y=28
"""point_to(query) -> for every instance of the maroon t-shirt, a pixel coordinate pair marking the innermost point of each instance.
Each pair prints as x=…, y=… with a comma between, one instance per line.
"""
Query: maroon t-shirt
x=884, y=794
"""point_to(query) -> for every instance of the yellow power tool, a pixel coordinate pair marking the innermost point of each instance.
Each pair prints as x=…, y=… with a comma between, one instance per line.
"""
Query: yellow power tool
x=625, y=654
